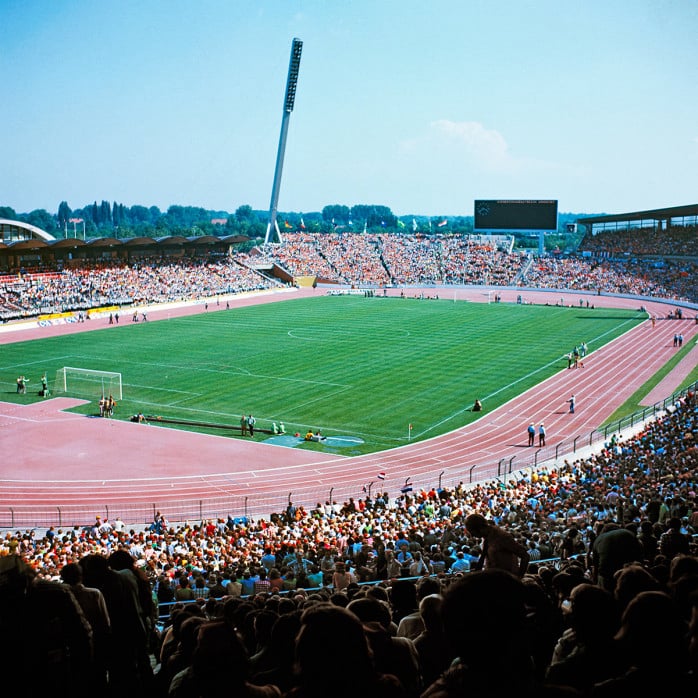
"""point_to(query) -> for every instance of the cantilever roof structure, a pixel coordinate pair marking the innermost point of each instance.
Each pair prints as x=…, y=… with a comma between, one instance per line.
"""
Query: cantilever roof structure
x=19, y=239
x=16, y=231
x=659, y=217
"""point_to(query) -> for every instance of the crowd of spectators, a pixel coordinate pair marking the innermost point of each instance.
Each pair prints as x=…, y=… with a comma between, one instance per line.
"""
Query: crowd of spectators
x=678, y=241
x=347, y=258
x=378, y=596
x=146, y=281
x=398, y=260
x=612, y=536
x=670, y=280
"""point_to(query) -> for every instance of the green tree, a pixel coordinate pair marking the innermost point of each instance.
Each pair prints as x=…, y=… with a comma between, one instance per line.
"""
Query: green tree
x=139, y=214
x=337, y=213
x=244, y=213
x=105, y=213
x=64, y=214
x=41, y=218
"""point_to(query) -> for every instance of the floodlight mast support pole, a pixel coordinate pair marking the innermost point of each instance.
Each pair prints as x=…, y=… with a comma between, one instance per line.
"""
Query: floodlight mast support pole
x=273, y=234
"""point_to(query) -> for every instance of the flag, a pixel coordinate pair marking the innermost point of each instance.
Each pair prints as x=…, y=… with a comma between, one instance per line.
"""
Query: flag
x=414, y=225
x=406, y=489
x=365, y=226
x=302, y=225
x=443, y=223
x=75, y=220
x=410, y=427
x=287, y=225
x=381, y=476
x=400, y=224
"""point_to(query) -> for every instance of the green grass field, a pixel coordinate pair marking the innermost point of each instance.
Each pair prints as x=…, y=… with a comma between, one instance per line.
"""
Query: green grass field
x=348, y=365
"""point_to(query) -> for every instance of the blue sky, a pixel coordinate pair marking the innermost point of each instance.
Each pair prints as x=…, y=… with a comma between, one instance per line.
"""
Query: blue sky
x=419, y=106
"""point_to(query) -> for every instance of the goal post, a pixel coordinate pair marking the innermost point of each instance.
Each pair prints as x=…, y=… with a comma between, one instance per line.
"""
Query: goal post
x=87, y=382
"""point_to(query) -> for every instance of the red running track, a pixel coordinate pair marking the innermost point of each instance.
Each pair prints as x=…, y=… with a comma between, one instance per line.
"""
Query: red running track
x=56, y=460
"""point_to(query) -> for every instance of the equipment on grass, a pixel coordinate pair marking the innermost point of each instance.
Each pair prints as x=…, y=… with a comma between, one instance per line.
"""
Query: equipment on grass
x=88, y=382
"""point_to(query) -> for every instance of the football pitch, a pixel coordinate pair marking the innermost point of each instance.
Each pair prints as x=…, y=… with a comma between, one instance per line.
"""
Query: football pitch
x=357, y=368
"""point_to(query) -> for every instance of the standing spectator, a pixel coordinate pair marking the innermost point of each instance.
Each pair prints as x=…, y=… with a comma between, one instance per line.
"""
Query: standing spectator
x=251, y=421
x=612, y=548
x=649, y=542
x=165, y=595
x=672, y=542
x=129, y=637
x=499, y=548
x=43, y=629
x=125, y=564
x=243, y=425
x=531, y=434
x=94, y=607
x=541, y=434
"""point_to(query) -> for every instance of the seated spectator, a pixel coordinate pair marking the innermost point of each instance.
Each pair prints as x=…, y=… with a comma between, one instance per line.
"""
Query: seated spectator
x=484, y=616
x=391, y=655
x=653, y=635
x=327, y=632
x=219, y=667
x=586, y=652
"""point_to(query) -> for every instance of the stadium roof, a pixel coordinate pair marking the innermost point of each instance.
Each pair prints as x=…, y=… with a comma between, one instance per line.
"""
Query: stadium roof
x=13, y=231
x=656, y=215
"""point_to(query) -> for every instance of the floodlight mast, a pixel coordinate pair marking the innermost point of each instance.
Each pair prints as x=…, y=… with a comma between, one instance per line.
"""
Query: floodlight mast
x=273, y=234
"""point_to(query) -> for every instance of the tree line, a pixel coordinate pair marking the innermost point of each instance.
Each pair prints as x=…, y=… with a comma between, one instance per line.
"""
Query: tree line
x=117, y=220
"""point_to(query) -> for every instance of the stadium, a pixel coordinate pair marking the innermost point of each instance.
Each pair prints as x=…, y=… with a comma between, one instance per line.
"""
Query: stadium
x=334, y=450
x=190, y=469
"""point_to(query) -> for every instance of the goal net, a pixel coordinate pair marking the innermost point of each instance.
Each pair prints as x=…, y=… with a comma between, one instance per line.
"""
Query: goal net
x=87, y=382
